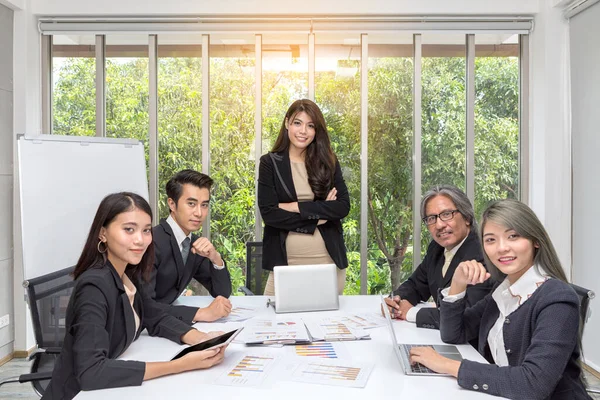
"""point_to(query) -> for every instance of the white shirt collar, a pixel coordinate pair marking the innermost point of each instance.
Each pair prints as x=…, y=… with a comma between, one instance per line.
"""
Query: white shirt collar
x=455, y=248
x=177, y=231
x=509, y=297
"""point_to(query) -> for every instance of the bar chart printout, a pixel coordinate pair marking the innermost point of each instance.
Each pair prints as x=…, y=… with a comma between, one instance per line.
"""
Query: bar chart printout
x=250, y=370
x=317, y=350
x=333, y=372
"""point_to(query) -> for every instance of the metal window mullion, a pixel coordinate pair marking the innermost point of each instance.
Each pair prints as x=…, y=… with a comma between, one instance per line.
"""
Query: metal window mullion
x=470, y=118
x=417, y=134
x=206, y=119
x=47, y=84
x=257, y=131
x=364, y=158
x=311, y=66
x=100, y=85
x=524, y=118
x=153, y=123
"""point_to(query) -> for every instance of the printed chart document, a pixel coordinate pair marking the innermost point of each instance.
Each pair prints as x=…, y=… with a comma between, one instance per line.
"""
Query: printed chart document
x=239, y=314
x=317, y=350
x=333, y=372
x=368, y=320
x=284, y=331
x=250, y=370
x=333, y=329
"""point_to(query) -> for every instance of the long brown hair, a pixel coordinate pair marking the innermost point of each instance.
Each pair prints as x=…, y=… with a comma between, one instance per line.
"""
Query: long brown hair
x=110, y=207
x=319, y=157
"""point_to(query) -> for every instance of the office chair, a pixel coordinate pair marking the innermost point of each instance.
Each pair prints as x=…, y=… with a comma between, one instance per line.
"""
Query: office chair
x=48, y=297
x=255, y=276
x=585, y=312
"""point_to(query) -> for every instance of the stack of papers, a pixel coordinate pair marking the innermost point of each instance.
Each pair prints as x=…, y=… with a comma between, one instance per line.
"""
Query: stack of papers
x=334, y=329
x=288, y=331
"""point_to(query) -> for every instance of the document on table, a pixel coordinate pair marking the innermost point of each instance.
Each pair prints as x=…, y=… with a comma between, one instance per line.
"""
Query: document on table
x=333, y=372
x=239, y=314
x=317, y=350
x=249, y=370
x=284, y=331
x=334, y=328
x=368, y=320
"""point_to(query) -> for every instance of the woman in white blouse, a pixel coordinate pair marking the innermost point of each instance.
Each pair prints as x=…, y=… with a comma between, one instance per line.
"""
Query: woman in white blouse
x=528, y=327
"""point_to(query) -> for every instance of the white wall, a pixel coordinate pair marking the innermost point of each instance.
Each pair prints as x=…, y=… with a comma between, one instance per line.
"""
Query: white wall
x=586, y=147
x=6, y=178
x=550, y=181
x=550, y=160
x=27, y=119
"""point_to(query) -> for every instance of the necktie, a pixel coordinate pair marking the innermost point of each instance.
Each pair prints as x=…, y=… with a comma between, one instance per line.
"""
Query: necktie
x=448, y=259
x=185, y=249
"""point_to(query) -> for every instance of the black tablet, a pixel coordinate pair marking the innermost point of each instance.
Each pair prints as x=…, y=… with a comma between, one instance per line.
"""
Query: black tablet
x=218, y=341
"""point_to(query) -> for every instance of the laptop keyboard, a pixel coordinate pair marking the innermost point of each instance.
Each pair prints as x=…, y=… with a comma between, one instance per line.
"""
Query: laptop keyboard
x=416, y=368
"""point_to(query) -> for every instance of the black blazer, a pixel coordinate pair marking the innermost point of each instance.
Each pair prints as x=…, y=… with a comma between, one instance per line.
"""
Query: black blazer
x=170, y=277
x=427, y=280
x=540, y=339
x=100, y=326
x=279, y=222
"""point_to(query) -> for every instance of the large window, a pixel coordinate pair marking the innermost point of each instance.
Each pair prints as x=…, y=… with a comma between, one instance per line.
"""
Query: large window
x=73, y=85
x=179, y=109
x=390, y=161
x=337, y=92
x=496, y=119
x=232, y=60
x=233, y=129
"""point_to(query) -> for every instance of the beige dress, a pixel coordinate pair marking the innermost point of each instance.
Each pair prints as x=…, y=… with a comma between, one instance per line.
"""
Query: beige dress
x=303, y=249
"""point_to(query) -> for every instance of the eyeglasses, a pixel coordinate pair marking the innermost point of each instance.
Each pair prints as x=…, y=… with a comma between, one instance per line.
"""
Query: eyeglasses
x=444, y=216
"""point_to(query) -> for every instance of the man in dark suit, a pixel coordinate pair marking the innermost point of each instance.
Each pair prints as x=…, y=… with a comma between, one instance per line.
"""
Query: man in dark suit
x=180, y=255
x=449, y=217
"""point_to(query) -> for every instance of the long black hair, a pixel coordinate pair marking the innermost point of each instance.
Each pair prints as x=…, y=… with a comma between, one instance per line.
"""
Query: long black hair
x=110, y=207
x=319, y=157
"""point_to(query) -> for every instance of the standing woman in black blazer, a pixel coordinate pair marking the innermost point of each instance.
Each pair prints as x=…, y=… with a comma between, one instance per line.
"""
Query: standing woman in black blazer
x=302, y=196
x=108, y=309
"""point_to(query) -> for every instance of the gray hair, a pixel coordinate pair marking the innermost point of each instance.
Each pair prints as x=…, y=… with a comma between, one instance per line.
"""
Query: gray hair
x=515, y=215
x=458, y=197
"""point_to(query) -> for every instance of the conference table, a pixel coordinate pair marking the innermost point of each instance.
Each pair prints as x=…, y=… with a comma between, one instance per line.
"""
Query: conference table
x=385, y=381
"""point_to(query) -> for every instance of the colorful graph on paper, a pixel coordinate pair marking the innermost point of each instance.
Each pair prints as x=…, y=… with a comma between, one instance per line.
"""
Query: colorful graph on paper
x=320, y=350
x=251, y=370
x=332, y=372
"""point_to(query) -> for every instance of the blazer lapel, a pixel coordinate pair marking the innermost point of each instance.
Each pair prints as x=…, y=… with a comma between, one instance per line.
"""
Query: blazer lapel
x=457, y=259
x=129, y=322
x=186, y=273
x=176, y=253
x=285, y=169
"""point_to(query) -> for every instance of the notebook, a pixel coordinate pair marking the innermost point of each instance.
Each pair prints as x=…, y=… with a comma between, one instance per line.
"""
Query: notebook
x=301, y=288
x=402, y=351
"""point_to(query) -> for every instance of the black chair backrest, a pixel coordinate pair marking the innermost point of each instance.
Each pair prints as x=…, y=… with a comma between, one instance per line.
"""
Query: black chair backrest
x=48, y=298
x=585, y=295
x=255, y=279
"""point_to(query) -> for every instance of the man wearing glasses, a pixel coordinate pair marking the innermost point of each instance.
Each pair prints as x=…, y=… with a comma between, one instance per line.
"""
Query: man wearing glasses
x=449, y=217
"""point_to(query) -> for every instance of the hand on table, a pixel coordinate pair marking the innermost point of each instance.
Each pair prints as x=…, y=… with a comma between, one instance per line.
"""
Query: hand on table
x=219, y=308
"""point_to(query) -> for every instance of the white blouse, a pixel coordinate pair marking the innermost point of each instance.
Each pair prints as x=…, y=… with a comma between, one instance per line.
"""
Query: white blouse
x=131, y=290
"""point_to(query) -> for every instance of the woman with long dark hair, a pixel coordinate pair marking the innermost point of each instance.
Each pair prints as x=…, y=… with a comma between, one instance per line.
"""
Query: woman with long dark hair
x=302, y=196
x=528, y=327
x=108, y=309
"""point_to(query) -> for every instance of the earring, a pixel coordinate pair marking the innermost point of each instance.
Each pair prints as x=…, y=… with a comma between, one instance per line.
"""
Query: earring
x=98, y=247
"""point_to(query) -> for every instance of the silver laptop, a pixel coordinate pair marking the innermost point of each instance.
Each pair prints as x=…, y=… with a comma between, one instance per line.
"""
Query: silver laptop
x=306, y=288
x=402, y=351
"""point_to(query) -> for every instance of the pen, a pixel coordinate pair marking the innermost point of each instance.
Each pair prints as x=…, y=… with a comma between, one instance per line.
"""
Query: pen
x=393, y=309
